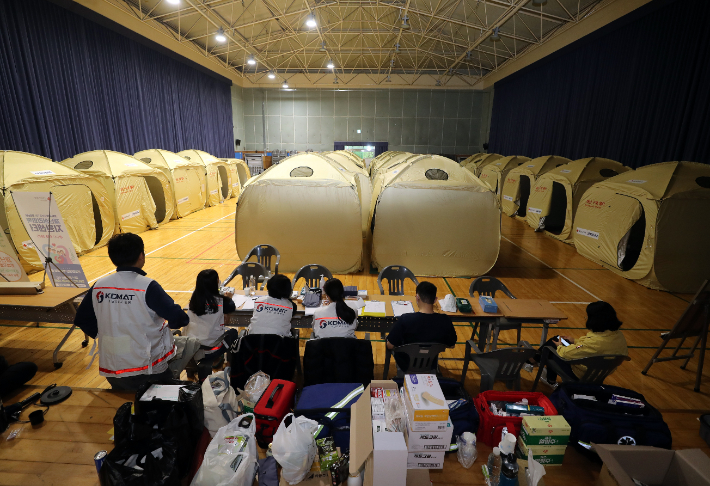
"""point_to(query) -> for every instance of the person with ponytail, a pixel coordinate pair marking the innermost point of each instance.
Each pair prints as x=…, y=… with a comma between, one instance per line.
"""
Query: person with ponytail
x=337, y=319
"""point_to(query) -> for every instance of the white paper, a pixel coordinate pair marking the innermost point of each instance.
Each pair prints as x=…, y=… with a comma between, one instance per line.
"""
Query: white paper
x=374, y=307
x=311, y=310
x=355, y=304
x=162, y=392
x=249, y=304
x=400, y=307
x=239, y=300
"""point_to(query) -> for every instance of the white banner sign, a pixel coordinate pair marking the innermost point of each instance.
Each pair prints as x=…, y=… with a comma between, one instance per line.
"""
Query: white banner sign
x=45, y=225
x=10, y=268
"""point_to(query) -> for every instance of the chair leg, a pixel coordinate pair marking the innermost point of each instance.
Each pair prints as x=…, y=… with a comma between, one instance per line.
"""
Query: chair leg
x=466, y=359
x=520, y=334
x=486, y=382
x=517, y=382
x=388, y=354
x=494, y=343
x=537, y=377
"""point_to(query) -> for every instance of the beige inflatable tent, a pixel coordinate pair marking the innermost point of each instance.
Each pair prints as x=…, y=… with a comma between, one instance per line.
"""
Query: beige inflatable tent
x=650, y=225
x=141, y=196
x=217, y=175
x=364, y=185
x=389, y=171
x=353, y=158
x=186, y=179
x=471, y=158
x=475, y=165
x=381, y=159
x=82, y=200
x=436, y=218
x=308, y=209
x=516, y=189
x=239, y=170
x=385, y=166
x=555, y=197
x=494, y=173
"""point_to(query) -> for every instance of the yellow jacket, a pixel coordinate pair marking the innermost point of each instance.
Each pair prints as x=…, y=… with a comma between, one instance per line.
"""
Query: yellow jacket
x=594, y=344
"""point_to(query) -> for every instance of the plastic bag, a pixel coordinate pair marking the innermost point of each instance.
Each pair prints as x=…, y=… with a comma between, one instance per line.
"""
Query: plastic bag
x=231, y=457
x=255, y=386
x=150, y=462
x=294, y=447
x=466, y=452
x=219, y=400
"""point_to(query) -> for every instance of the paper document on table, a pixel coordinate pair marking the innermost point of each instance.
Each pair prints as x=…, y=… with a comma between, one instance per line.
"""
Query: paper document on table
x=400, y=307
x=162, y=392
x=249, y=304
x=311, y=310
x=374, y=308
x=239, y=300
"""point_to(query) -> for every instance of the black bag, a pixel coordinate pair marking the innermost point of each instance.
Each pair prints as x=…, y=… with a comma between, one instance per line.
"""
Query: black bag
x=600, y=422
x=156, y=470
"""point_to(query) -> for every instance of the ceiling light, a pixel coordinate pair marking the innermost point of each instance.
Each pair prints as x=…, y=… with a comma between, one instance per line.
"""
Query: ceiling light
x=495, y=36
x=335, y=81
x=220, y=37
x=271, y=75
x=392, y=62
x=438, y=82
x=405, y=25
x=285, y=85
x=251, y=61
x=331, y=65
x=322, y=47
x=396, y=47
x=539, y=3
x=388, y=80
x=468, y=54
x=174, y=2
x=311, y=21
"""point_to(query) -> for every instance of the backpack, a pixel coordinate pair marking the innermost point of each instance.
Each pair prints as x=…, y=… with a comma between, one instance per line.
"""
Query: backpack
x=600, y=422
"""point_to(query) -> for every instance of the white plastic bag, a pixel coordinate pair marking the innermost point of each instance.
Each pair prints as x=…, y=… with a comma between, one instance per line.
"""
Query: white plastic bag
x=256, y=385
x=294, y=447
x=230, y=459
x=466, y=451
x=220, y=402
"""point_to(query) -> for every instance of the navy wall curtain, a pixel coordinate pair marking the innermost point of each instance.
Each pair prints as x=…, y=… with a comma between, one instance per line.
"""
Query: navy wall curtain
x=68, y=85
x=636, y=91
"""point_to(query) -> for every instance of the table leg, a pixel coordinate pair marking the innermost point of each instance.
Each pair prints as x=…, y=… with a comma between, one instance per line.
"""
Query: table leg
x=57, y=363
x=483, y=328
x=545, y=326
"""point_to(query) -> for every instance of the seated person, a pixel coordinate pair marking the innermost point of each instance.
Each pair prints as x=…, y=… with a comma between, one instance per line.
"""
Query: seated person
x=14, y=376
x=603, y=337
x=128, y=311
x=425, y=326
x=273, y=313
x=337, y=319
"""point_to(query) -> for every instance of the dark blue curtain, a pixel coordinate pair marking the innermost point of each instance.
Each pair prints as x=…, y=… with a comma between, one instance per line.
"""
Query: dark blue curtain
x=636, y=91
x=68, y=86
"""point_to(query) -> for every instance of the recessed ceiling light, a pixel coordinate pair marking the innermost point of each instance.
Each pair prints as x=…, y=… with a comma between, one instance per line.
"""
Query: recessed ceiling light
x=285, y=85
x=272, y=75
x=220, y=37
x=311, y=21
x=251, y=61
x=174, y=2
x=331, y=65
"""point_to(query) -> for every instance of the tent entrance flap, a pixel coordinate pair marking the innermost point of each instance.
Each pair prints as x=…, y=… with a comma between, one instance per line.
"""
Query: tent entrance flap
x=75, y=203
x=158, y=195
x=224, y=176
x=555, y=219
x=98, y=224
x=524, y=194
x=630, y=246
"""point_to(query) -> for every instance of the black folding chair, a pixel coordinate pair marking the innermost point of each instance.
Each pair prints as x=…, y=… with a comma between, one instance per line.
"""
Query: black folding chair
x=338, y=360
x=489, y=286
x=246, y=270
x=395, y=276
x=312, y=274
x=499, y=365
x=597, y=367
x=264, y=254
x=421, y=357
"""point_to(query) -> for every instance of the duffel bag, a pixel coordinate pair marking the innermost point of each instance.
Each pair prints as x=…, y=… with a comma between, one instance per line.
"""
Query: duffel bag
x=594, y=418
x=492, y=426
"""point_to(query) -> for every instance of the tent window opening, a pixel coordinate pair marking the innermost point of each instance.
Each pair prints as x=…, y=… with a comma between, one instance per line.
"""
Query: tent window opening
x=224, y=176
x=146, y=160
x=156, y=191
x=555, y=220
x=608, y=173
x=83, y=165
x=703, y=181
x=97, y=219
x=629, y=248
x=301, y=172
x=524, y=187
x=243, y=176
x=436, y=175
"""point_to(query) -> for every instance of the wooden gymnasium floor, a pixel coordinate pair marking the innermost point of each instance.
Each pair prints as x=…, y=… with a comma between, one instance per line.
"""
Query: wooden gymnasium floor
x=531, y=265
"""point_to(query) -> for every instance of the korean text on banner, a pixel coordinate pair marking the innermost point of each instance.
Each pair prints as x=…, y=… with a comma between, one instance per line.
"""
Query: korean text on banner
x=10, y=268
x=45, y=226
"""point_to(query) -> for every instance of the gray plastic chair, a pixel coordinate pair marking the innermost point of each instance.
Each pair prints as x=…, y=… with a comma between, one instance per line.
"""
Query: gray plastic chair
x=311, y=273
x=423, y=357
x=395, y=275
x=263, y=254
x=598, y=367
x=499, y=365
x=489, y=286
x=247, y=270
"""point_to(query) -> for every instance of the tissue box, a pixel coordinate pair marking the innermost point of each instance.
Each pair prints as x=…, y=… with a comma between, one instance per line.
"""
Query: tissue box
x=424, y=400
x=488, y=304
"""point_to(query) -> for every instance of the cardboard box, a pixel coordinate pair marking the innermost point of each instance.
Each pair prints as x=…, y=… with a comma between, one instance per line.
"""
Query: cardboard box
x=653, y=466
x=390, y=459
x=362, y=443
x=424, y=400
x=428, y=441
x=545, y=455
x=426, y=460
x=550, y=430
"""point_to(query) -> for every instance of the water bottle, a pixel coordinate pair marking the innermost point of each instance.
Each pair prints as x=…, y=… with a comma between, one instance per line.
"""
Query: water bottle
x=322, y=284
x=509, y=471
x=494, y=463
x=252, y=285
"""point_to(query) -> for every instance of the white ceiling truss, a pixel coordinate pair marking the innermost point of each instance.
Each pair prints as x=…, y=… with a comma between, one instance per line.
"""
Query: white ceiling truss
x=447, y=42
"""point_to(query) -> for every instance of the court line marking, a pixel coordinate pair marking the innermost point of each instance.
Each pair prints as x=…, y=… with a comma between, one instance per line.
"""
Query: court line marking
x=553, y=269
x=580, y=303
x=168, y=244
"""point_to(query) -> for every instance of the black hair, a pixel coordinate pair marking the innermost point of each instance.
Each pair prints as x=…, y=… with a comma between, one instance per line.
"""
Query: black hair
x=124, y=249
x=204, y=297
x=279, y=286
x=427, y=292
x=601, y=317
x=336, y=292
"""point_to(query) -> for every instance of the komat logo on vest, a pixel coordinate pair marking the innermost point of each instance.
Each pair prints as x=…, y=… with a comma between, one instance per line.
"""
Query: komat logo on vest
x=114, y=297
x=281, y=310
x=324, y=322
x=99, y=296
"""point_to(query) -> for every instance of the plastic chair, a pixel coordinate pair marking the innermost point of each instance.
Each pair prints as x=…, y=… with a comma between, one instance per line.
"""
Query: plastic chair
x=597, y=367
x=395, y=275
x=489, y=286
x=499, y=365
x=338, y=360
x=246, y=270
x=263, y=254
x=311, y=273
x=277, y=356
x=423, y=357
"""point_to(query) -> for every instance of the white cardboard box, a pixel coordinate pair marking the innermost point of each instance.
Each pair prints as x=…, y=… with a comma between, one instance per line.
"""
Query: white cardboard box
x=422, y=426
x=426, y=460
x=426, y=401
x=418, y=441
x=390, y=459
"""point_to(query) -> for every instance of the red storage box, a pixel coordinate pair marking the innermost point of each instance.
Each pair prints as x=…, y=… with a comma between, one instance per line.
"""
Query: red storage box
x=491, y=426
x=271, y=409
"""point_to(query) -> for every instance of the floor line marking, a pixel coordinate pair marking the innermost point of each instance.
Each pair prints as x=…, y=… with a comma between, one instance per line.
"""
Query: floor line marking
x=553, y=269
x=168, y=244
x=580, y=303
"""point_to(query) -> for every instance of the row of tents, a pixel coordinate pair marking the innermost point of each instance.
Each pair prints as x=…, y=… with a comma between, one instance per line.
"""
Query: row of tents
x=422, y=211
x=100, y=193
x=649, y=225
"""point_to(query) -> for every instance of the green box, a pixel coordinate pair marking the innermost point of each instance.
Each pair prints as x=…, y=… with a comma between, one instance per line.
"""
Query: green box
x=548, y=430
x=544, y=459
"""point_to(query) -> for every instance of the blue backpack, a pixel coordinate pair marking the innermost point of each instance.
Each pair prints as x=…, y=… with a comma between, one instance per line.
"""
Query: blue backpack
x=601, y=422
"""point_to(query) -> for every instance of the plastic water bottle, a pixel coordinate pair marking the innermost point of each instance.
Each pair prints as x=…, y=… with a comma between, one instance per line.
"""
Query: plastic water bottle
x=494, y=463
x=322, y=283
x=252, y=285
